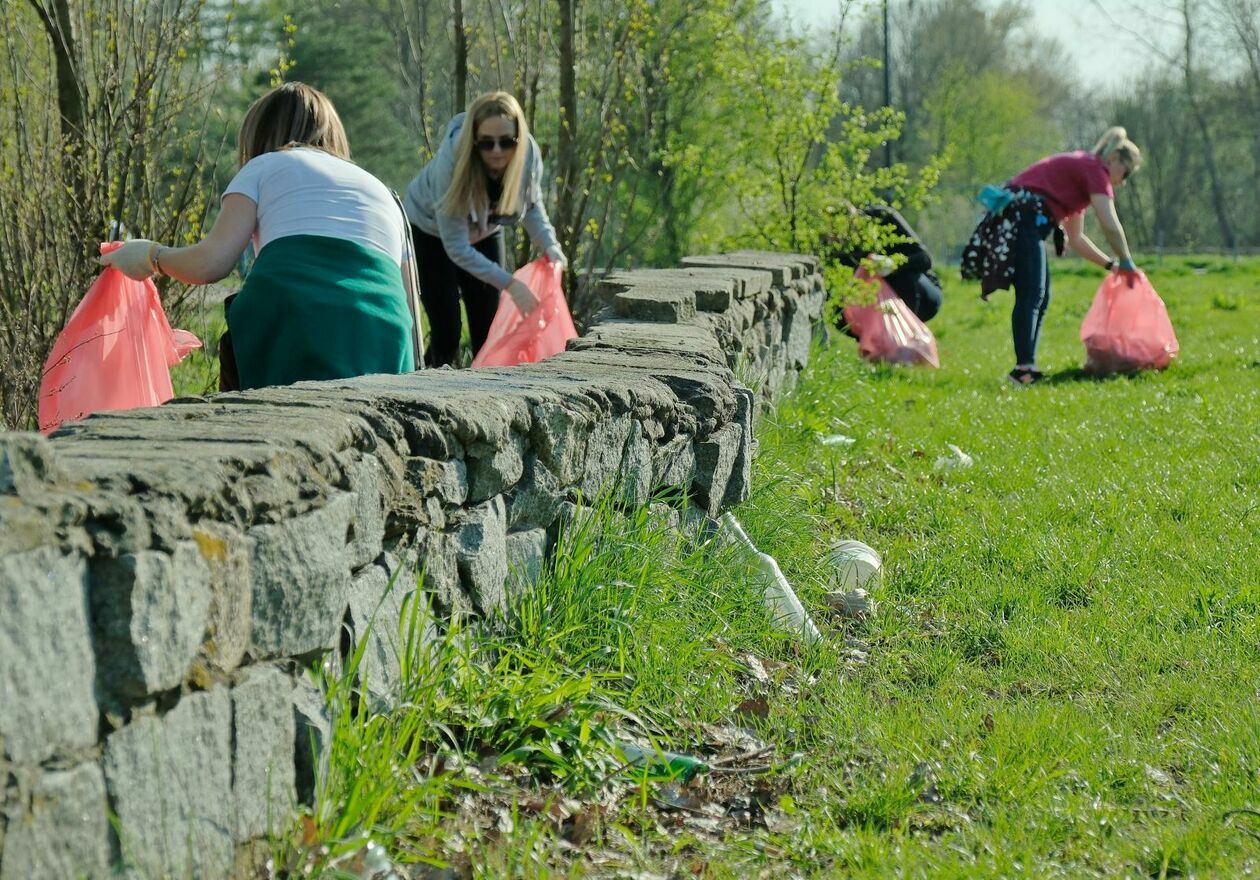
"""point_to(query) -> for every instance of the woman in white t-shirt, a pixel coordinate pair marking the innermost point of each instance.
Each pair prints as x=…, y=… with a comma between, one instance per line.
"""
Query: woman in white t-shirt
x=325, y=298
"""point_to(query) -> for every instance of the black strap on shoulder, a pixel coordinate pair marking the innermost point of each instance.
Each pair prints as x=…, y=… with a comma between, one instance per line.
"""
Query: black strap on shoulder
x=411, y=283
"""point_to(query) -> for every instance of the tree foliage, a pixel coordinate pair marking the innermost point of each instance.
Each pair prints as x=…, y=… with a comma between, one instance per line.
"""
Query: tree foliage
x=667, y=126
x=104, y=109
x=1194, y=110
x=979, y=86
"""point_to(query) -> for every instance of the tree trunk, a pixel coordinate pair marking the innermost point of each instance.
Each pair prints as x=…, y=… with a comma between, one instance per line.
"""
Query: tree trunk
x=567, y=140
x=55, y=18
x=461, y=58
x=56, y=21
x=410, y=29
x=1200, y=118
x=1242, y=17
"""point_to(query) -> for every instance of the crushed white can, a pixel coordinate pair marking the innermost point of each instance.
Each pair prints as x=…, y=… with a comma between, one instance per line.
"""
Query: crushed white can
x=856, y=565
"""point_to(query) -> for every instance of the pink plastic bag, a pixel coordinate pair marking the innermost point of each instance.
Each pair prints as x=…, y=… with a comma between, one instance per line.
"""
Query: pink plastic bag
x=115, y=352
x=1127, y=328
x=889, y=331
x=516, y=339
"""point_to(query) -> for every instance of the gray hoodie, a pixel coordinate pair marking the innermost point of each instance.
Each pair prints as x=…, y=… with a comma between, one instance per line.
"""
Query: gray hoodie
x=458, y=234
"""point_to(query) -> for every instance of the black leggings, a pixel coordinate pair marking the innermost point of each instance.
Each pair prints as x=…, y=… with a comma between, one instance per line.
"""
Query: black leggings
x=442, y=284
x=924, y=298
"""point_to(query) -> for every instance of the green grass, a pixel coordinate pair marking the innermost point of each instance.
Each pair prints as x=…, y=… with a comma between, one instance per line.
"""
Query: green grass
x=1070, y=633
x=198, y=373
x=1061, y=679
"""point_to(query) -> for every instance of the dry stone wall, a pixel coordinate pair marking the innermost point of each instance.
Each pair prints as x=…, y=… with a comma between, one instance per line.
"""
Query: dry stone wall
x=168, y=576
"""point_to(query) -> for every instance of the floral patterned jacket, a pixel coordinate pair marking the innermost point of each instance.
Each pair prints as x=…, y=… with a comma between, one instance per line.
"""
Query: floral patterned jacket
x=989, y=254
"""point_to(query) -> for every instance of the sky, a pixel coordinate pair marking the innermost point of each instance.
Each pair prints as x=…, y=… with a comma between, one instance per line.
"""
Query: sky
x=1076, y=23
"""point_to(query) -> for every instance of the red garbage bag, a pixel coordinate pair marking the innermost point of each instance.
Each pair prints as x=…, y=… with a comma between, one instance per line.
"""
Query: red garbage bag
x=1127, y=328
x=889, y=331
x=115, y=352
x=514, y=338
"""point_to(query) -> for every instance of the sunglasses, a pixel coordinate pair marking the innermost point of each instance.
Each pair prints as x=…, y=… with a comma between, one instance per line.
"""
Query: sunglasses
x=504, y=143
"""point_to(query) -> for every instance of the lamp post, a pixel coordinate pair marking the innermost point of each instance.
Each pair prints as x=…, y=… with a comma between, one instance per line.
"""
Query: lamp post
x=888, y=147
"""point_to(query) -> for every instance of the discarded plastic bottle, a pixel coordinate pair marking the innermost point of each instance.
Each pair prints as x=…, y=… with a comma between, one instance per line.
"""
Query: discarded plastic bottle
x=667, y=764
x=856, y=565
x=780, y=598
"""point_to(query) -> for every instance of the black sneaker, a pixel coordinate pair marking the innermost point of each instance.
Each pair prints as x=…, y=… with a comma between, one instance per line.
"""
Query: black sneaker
x=1023, y=377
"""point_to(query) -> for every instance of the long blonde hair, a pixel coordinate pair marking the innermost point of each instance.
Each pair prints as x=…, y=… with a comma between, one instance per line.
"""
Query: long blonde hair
x=291, y=115
x=467, y=191
x=1115, y=140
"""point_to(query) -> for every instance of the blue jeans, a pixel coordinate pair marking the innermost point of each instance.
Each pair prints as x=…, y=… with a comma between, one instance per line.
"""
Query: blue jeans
x=1032, y=287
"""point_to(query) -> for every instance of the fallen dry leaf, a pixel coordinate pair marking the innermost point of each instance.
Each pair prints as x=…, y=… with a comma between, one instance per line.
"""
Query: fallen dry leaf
x=310, y=831
x=756, y=668
x=754, y=707
x=855, y=604
x=728, y=736
x=582, y=826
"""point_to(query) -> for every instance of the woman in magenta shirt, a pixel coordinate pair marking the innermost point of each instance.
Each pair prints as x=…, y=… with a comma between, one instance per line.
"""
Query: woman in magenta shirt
x=1007, y=247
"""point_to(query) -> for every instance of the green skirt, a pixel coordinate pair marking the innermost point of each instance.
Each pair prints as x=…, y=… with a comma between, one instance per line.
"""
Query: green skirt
x=315, y=307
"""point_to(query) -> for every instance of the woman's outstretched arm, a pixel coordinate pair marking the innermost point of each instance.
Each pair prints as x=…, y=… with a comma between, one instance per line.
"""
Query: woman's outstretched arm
x=1105, y=210
x=208, y=260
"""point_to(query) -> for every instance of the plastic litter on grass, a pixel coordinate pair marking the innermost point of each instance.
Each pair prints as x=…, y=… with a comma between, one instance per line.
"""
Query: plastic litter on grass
x=855, y=565
x=956, y=460
x=788, y=613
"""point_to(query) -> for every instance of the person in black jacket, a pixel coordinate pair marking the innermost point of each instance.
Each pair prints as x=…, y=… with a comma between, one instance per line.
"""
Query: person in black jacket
x=913, y=281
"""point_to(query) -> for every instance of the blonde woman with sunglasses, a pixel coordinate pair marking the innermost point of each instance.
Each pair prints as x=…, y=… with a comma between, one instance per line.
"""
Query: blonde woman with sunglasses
x=1007, y=248
x=487, y=174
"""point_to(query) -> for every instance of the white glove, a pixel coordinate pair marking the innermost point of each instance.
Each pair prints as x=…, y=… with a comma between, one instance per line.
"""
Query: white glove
x=883, y=265
x=556, y=255
x=132, y=259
